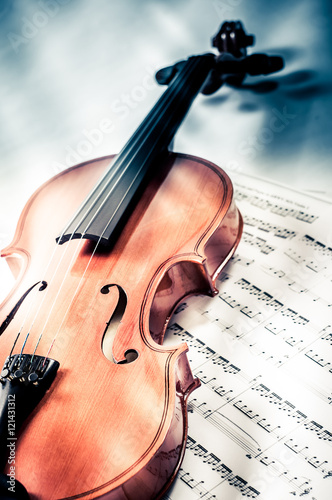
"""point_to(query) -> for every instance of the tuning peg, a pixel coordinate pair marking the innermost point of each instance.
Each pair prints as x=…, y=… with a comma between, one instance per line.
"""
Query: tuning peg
x=232, y=38
x=216, y=78
x=262, y=64
x=232, y=70
x=232, y=64
x=255, y=64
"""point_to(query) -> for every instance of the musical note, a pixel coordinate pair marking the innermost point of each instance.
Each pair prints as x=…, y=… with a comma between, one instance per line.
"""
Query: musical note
x=223, y=471
x=263, y=352
x=266, y=226
x=243, y=261
x=280, y=210
x=258, y=242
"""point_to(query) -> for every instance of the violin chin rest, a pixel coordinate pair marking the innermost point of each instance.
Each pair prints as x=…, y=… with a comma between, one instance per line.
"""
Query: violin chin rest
x=12, y=489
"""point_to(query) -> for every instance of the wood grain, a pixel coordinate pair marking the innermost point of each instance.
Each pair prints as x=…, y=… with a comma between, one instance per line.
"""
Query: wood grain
x=104, y=429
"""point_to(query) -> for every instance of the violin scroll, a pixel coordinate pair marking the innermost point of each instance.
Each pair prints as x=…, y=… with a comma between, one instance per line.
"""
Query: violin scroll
x=232, y=64
x=232, y=38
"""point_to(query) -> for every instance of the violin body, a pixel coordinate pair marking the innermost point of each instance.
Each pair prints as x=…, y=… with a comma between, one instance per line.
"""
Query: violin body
x=107, y=428
x=93, y=403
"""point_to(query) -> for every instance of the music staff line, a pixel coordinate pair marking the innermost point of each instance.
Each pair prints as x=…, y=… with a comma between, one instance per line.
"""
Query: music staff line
x=291, y=411
x=223, y=470
x=257, y=242
x=320, y=249
x=296, y=286
x=228, y=367
x=238, y=435
x=195, y=485
x=270, y=301
x=268, y=227
x=276, y=330
x=301, y=347
x=241, y=260
x=210, y=354
x=281, y=210
x=267, y=299
x=311, y=459
x=284, y=405
x=281, y=404
x=316, y=358
x=317, y=245
x=298, y=319
x=300, y=450
x=325, y=334
x=316, y=266
x=273, y=465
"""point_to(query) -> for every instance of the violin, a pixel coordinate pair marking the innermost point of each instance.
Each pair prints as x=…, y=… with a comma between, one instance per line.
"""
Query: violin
x=93, y=405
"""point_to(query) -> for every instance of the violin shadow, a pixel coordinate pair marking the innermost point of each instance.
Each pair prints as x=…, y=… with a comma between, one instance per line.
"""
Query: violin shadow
x=289, y=54
x=216, y=99
x=265, y=86
x=248, y=107
x=310, y=92
x=297, y=77
x=291, y=98
x=290, y=85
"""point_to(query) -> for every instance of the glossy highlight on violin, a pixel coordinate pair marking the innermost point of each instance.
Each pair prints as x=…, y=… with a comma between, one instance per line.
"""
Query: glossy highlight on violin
x=103, y=253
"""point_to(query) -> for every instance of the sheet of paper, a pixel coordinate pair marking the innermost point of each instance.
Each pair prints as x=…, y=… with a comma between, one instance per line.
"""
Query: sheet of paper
x=260, y=425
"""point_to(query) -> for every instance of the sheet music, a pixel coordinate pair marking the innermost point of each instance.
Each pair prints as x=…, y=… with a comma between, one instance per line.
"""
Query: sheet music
x=260, y=425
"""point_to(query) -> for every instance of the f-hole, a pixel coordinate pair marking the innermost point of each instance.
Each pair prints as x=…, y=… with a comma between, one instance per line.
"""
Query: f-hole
x=112, y=326
x=12, y=313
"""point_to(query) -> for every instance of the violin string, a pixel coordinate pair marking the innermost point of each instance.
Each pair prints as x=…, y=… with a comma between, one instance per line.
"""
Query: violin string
x=22, y=324
x=78, y=286
x=140, y=132
x=50, y=280
x=91, y=257
x=30, y=307
x=73, y=258
x=41, y=302
x=128, y=149
x=49, y=283
x=194, y=64
x=68, y=308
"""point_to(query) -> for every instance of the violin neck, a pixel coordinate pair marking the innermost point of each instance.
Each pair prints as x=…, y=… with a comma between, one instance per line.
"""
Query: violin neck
x=108, y=204
x=161, y=124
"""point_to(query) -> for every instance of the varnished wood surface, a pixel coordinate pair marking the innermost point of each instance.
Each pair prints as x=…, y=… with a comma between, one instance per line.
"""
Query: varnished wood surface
x=100, y=426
